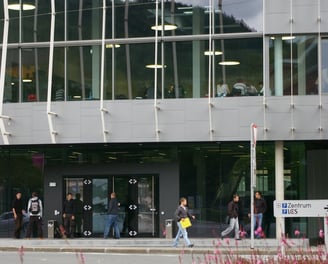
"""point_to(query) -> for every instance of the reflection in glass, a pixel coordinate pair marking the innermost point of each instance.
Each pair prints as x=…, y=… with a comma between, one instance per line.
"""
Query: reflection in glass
x=82, y=72
x=99, y=204
x=84, y=19
x=324, y=67
x=293, y=65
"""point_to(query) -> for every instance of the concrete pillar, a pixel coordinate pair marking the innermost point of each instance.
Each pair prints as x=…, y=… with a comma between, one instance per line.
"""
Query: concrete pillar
x=198, y=58
x=278, y=68
x=280, y=194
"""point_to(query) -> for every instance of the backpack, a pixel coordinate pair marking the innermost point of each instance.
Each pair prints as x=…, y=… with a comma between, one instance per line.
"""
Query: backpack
x=35, y=206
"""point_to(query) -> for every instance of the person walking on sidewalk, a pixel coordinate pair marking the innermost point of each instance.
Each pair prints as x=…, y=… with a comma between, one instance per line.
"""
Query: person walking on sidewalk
x=181, y=213
x=233, y=212
x=113, y=208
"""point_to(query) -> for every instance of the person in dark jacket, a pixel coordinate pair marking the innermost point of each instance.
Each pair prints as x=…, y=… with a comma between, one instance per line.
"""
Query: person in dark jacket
x=233, y=212
x=113, y=209
x=18, y=214
x=68, y=215
x=260, y=208
x=180, y=214
x=78, y=213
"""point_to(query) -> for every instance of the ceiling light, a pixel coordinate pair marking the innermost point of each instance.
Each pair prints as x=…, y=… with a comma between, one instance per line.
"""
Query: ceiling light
x=229, y=63
x=17, y=7
x=27, y=80
x=288, y=37
x=110, y=46
x=210, y=53
x=284, y=37
x=166, y=27
x=155, y=66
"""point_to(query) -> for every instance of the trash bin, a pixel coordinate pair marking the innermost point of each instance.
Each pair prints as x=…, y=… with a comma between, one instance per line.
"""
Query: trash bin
x=169, y=228
x=52, y=224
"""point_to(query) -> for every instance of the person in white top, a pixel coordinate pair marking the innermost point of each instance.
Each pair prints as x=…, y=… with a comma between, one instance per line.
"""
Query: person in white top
x=34, y=208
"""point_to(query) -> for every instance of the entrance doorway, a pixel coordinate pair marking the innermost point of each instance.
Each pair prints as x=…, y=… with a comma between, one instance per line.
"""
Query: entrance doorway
x=138, y=197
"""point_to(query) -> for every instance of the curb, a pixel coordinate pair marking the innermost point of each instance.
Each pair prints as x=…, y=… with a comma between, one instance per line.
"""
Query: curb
x=151, y=250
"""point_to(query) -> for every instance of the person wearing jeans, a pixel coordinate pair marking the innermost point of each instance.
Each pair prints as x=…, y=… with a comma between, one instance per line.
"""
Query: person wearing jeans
x=260, y=208
x=180, y=214
x=113, y=208
x=233, y=212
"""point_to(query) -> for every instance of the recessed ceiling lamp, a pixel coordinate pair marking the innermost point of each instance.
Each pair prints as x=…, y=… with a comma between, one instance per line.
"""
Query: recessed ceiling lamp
x=210, y=53
x=284, y=37
x=166, y=27
x=229, y=63
x=288, y=37
x=110, y=46
x=27, y=80
x=154, y=66
x=23, y=7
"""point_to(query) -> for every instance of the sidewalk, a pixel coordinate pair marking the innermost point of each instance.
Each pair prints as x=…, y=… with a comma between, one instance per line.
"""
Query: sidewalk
x=150, y=245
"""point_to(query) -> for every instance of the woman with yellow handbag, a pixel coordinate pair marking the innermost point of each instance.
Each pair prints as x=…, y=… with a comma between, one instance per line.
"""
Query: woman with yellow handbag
x=182, y=216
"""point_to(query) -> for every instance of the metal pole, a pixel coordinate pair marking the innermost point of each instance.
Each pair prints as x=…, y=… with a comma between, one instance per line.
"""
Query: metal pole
x=253, y=177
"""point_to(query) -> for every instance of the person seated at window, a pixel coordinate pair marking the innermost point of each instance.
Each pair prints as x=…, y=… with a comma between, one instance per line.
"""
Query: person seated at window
x=170, y=92
x=222, y=89
x=239, y=88
x=251, y=90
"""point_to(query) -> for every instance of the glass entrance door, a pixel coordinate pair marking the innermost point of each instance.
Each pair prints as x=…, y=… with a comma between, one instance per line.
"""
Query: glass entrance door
x=138, y=196
x=138, y=199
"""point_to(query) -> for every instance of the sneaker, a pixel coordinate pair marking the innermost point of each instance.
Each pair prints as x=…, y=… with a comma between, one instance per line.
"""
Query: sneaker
x=238, y=238
x=191, y=245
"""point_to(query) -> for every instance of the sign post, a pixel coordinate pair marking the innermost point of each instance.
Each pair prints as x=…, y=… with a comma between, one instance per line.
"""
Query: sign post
x=303, y=208
x=253, y=177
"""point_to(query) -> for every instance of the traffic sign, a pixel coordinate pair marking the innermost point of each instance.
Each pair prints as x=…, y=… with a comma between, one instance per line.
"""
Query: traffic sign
x=300, y=208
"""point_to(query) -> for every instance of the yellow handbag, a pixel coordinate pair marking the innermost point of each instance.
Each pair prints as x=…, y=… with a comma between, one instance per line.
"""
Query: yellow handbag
x=185, y=223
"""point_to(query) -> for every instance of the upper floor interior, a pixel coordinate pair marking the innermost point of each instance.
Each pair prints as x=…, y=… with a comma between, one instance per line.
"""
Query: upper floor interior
x=139, y=49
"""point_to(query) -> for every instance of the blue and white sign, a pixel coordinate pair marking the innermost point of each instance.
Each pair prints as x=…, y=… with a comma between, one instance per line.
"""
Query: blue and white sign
x=300, y=208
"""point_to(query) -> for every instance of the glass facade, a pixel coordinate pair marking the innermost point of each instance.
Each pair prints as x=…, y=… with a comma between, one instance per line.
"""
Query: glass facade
x=186, y=50
x=293, y=65
x=143, y=50
x=215, y=60
x=209, y=172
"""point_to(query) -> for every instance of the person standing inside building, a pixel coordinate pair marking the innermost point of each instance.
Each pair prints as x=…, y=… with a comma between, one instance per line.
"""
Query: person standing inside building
x=233, y=212
x=68, y=216
x=113, y=209
x=78, y=213
x=34, y=207
x=180, y=214
x=260, y=208
x=18, y=214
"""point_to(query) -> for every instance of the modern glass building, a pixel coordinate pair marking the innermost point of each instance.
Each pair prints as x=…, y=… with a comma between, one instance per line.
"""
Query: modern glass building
x=155, y=99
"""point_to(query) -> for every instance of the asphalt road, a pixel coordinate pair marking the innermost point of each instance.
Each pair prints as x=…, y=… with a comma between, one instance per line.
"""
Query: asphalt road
x=91, y=258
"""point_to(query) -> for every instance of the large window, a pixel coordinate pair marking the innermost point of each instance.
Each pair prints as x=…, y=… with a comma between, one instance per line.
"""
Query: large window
x=140, y=67
x=293, y=65
x=26, y=78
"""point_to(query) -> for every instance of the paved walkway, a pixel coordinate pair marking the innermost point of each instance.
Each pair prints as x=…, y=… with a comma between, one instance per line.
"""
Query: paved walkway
x=150, y=245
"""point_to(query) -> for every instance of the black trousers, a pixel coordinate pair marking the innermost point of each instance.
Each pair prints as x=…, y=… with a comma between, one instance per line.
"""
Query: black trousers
x=35, y=223
x=18, y=225
x=69, y=225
